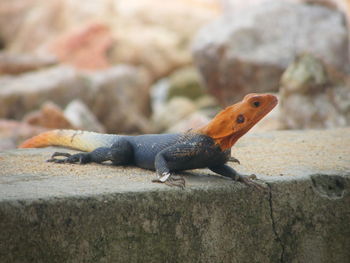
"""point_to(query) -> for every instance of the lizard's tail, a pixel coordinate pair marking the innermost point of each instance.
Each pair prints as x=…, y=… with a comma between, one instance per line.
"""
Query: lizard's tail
x=80, y=140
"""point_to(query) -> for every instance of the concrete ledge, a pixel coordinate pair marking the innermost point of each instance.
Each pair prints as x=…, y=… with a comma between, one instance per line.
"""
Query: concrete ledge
x=101, y=213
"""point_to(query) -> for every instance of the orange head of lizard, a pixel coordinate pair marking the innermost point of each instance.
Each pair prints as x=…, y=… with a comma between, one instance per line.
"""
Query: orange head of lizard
x=234, y=121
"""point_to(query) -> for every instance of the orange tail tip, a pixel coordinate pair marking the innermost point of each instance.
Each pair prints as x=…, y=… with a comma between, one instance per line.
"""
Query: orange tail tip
x=79, y=140
x=42, y=140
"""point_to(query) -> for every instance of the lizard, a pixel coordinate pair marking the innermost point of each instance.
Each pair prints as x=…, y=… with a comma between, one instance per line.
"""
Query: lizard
x=205, y=147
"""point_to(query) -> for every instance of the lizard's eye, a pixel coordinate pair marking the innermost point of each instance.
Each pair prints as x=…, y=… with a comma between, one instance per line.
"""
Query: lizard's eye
x=240, y=118
x=256, y=104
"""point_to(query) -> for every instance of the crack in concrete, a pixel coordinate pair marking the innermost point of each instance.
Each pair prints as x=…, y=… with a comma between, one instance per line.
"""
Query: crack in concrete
x=278, y=238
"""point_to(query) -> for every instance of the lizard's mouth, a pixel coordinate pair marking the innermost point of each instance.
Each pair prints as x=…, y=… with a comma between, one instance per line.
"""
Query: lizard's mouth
x=269, y=107
x=261, y=114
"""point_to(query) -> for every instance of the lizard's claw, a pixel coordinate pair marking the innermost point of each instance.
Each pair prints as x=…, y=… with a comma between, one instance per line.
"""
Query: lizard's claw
x=249, y=180
x=80, y=158
x=234, y=160
x=178, y=181
x=59, y=160
x=171, y=180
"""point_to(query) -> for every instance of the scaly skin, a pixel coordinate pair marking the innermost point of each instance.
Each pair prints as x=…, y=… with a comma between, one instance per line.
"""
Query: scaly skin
x=209, y=146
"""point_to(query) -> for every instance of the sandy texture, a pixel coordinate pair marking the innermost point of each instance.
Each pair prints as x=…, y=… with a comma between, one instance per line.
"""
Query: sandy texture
x=25, y=174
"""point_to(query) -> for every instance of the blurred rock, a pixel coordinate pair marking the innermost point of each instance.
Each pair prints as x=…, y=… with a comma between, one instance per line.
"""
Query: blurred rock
x=27, y=92
x=230, y=5
x=195, y=120
x=17, y=64
x=147, y=33
x=119, y=98
x=85, y=47
x=177, y=109
x=185, y=82
x=40, y=20
x=247, y=50
x=314, y=95
x=14, y=132
x=207, y=102
x=49, y=116
x=157, y=34
x=159, y=94
x=7, y=143
x=14, y=16
x=271, y=122
x=81, y=117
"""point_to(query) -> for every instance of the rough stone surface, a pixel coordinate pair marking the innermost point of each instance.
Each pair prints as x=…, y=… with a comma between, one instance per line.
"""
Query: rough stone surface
x=312, y=95
x=248, y=50
x=101, y=213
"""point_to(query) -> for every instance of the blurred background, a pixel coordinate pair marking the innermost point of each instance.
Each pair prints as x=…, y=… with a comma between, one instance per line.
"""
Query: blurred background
x=154, y=66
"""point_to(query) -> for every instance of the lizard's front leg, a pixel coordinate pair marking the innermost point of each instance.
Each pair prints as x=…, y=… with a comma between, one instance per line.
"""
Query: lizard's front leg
x=228, y=171
x=164, y=173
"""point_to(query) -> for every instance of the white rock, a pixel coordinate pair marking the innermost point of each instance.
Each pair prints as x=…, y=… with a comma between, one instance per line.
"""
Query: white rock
x=81, y=117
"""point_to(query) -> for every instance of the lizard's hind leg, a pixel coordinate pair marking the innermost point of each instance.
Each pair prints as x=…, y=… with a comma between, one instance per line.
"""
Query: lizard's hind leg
x=98, y=156
x=80, y=158
x=119, y=153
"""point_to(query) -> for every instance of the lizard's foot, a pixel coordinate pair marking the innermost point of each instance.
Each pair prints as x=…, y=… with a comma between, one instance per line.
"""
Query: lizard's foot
x=171, y=180
x=80, y=158
x=178, y=181
x=234, y=160
x=249, y=180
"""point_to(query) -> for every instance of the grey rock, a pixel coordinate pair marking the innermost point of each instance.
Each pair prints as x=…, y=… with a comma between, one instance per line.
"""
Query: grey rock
x=177, y=109
x=185, y=82
x=13, y=133
x=20, y=63
x=247, y=50
x=27, y=92
x=119, y=98
x=207, y=102
x=195, y=120
x=159, y=94
x=313, y=95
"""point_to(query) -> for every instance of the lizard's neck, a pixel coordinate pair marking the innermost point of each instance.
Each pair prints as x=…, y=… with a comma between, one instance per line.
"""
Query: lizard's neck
x=221, y=128
x=225, y=142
